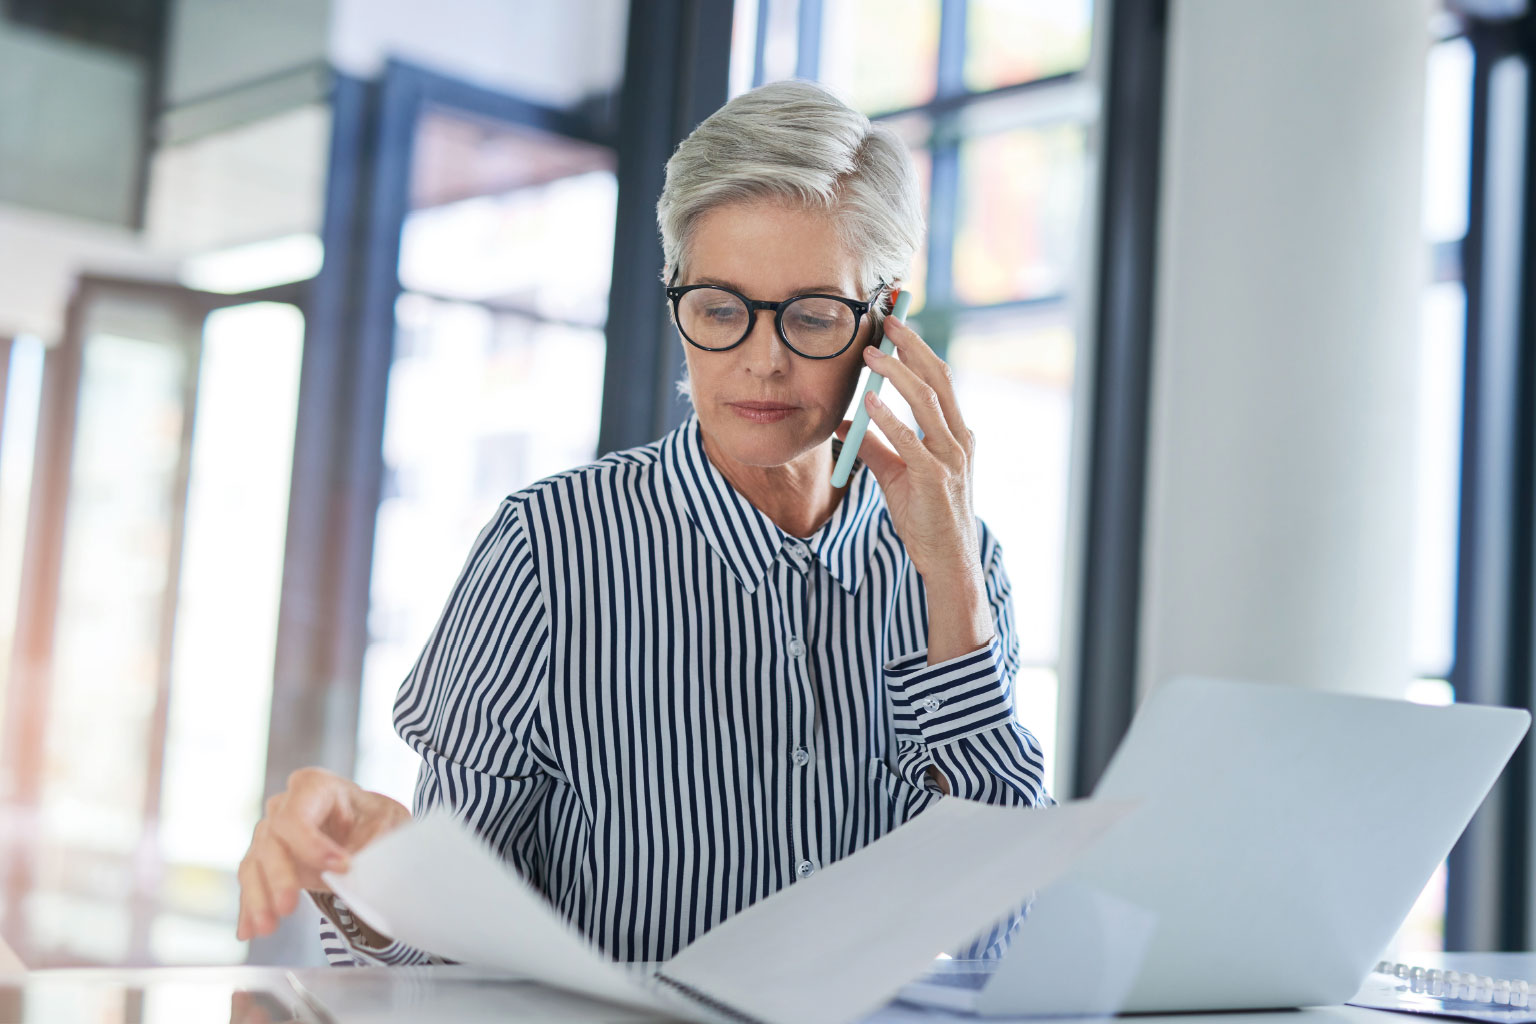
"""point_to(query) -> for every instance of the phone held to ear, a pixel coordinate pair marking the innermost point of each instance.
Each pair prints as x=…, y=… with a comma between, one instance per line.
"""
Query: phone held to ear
x=860, y=425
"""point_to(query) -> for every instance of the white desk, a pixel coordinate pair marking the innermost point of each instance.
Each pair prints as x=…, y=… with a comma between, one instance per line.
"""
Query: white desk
x=380, y=995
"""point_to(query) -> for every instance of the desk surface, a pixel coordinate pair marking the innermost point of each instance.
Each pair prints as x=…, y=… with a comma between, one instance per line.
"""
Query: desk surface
x=383, y=995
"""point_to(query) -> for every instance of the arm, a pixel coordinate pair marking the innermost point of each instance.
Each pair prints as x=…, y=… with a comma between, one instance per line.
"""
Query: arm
x=953, y=700
x=468, y=708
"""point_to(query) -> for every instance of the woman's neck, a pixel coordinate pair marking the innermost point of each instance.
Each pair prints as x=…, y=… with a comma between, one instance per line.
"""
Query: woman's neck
x=798, y=496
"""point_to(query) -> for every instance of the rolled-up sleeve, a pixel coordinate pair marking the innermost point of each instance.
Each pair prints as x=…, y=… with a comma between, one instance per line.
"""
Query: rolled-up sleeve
x=470, y=707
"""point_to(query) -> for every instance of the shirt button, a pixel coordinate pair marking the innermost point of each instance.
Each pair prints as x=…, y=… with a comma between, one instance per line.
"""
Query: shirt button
x=806, y=869
x=931, y=705
x=796, y=647
x=800, y=556
x=802, y=756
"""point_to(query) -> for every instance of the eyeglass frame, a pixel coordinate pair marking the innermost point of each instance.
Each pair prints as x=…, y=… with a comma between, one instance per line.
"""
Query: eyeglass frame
x=754, y=306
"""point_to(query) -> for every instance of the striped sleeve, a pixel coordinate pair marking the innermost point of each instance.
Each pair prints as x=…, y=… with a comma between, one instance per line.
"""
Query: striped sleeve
x=958, y=716
x=470, y=708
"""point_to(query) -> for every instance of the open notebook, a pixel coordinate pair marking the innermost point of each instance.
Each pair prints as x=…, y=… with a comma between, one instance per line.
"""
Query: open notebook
x=830, y=948
x=1441, y=993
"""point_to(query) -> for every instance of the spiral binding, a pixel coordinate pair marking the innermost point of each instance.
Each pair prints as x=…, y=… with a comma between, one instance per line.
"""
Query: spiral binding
x=707, y=1000
x=1466, y=986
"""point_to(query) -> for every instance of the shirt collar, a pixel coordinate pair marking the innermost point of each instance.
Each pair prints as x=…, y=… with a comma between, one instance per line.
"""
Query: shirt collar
x=744, y=537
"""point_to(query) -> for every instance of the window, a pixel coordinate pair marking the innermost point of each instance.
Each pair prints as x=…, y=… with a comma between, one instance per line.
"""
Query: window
x=997, y=100
x=144, y=684
x=1442, y=348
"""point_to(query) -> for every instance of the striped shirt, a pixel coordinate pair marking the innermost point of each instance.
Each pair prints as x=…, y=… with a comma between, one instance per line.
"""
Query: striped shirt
x=660, y=707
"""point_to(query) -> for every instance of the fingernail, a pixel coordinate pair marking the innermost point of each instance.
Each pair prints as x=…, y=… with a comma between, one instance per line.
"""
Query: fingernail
x=872, y=399
x=337, y=863
x=873, y=352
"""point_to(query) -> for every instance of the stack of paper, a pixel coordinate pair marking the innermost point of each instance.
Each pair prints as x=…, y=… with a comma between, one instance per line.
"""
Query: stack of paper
x=830, y=948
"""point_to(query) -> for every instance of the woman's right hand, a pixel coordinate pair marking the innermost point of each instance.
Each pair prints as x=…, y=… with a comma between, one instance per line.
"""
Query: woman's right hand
x=314, y=825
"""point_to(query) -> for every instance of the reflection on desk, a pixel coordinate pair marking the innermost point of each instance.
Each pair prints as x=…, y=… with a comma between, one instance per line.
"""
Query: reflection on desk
x=165, y=996
x=384, y=995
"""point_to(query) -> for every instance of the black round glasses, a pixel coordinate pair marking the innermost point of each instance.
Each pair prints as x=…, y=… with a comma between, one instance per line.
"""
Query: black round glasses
x=815, y=326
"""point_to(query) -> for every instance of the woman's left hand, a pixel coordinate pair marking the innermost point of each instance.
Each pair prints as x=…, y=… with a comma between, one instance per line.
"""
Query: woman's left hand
x=927, y=480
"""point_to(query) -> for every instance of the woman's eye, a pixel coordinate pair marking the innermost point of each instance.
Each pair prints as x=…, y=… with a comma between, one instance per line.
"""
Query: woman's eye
x=813, y=323
x=722, y=313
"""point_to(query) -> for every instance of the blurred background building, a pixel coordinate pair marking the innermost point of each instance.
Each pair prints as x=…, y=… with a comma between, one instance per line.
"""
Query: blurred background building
x=293, y=291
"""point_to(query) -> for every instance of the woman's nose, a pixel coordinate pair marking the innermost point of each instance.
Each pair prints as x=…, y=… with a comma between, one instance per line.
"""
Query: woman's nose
x=764, y=350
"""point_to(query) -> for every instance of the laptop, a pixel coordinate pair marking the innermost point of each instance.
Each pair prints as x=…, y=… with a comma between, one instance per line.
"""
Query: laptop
x=1283, y=836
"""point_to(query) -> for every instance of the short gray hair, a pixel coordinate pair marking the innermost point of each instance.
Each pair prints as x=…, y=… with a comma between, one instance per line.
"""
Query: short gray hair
x=797, y=141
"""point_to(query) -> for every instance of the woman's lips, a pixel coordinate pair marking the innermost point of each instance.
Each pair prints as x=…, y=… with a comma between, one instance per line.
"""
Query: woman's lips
x=762, y=412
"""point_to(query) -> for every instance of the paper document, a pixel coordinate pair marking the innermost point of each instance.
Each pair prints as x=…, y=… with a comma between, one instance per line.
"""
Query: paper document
x=826, y=949
x=435, y=885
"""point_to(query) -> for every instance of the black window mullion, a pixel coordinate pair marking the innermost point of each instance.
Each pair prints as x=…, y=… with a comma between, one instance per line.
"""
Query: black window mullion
x=677, y=72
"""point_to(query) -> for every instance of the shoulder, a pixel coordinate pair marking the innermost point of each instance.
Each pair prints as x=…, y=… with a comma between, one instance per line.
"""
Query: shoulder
x=592, y=490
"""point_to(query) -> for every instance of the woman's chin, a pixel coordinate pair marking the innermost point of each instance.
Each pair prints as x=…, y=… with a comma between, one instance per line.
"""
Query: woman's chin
x=763, y=444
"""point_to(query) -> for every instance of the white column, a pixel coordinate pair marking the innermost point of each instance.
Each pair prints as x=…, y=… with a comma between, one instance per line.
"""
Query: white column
x=1279, y=493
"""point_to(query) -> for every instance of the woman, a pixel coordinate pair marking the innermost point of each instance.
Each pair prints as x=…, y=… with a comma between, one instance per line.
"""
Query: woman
x=671, y=682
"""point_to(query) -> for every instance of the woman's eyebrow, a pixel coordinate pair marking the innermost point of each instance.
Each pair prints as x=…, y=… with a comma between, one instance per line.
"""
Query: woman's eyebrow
x=802, y=290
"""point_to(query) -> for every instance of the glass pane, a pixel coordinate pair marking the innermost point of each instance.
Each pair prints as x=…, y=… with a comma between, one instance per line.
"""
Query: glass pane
x=1012, y=41
x=512, y=216
x=743, y=46
x=117, y=555
x=1013, y=379
x=1438, y=480
x=546, y=250
x=1020, y=204
x=781, y=39
x=881, y=55
x=231, y=579
x=916, y=131
x=1447, y=139
x=108, y=664
x=472, y=416
x=18, y=440
x=918, y=280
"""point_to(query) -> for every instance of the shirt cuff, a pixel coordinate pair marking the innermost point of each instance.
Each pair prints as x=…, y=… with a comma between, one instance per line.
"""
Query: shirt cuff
x=952, y=699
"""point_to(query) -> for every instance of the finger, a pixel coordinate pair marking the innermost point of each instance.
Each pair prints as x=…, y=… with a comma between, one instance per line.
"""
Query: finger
x=312, y=848
x=313, y=801
x=266, y=919
x=921, y=397
x=282, y=880
x=255, y=904
x=902, y=437
x=877, y=455
x=939, y=375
